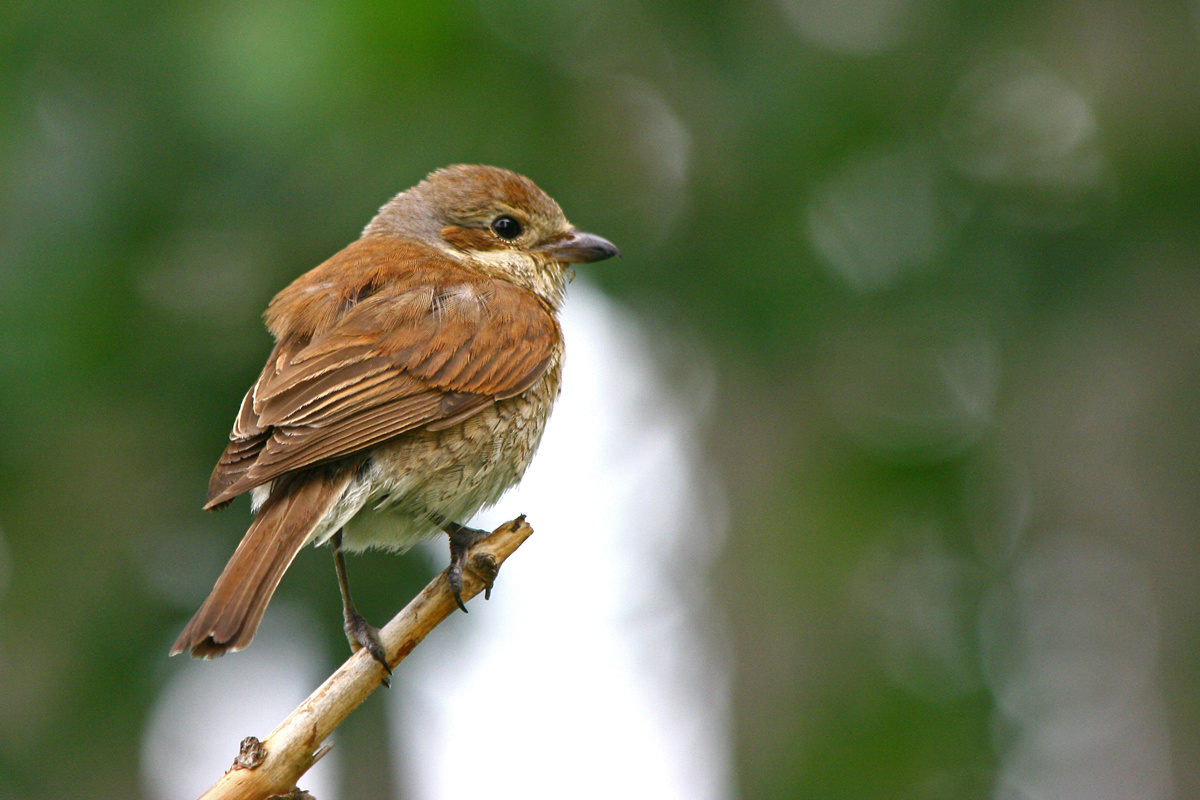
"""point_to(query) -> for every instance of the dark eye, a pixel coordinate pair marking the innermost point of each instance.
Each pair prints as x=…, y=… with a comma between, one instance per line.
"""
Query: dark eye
x=506, y=227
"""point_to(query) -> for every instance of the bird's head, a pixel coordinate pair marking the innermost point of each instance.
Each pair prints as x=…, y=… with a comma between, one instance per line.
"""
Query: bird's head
x=496, y=221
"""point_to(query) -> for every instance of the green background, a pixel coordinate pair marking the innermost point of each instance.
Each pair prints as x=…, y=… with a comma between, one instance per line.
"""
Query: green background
x=942, y=257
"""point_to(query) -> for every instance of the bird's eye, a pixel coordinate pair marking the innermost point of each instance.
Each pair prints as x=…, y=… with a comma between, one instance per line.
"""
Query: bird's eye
x=506, y=227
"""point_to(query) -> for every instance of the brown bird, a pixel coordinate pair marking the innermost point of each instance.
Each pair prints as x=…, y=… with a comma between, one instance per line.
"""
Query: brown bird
x=411, y=379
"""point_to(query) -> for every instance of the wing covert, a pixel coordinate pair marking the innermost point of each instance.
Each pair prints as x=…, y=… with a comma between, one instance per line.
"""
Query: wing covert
x=432, y=342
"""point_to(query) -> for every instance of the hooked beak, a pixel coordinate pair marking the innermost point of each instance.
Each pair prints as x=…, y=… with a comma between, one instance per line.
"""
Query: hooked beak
x=580, y=247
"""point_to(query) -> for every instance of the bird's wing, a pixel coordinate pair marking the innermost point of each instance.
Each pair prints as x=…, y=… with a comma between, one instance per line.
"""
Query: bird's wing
x=427, y=343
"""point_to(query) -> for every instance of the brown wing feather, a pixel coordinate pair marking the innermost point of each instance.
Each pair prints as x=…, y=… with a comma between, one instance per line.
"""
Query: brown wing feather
x=385, y=337
x=246, y=442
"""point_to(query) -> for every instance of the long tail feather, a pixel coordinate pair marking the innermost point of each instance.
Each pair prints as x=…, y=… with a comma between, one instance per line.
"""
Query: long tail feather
x=229, y=617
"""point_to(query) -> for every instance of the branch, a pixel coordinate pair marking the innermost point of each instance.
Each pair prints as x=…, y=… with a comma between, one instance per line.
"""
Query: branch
x=272, y=767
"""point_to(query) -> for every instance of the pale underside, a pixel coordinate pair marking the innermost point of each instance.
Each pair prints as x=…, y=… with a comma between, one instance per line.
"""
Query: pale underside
x=410, y=484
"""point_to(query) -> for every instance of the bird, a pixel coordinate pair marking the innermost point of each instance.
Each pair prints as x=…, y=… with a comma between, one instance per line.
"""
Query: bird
x=411, y=379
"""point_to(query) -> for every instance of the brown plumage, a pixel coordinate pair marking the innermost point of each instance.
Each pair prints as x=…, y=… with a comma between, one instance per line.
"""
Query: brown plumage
x=412, y=375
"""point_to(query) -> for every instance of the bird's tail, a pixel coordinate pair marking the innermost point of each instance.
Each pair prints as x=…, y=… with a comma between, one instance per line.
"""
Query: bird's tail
x=285, y=522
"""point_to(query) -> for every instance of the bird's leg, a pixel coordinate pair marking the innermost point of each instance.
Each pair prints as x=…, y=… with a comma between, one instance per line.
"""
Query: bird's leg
x=462, y=539
x=358, y=631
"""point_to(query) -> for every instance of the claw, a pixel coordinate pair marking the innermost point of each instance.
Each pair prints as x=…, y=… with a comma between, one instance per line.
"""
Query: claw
x=362, y=634
x=462, y=539
x=454, y=577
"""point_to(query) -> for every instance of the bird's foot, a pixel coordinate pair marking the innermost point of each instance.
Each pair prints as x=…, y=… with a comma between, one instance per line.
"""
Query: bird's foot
x=361, y=634
x=462, y=539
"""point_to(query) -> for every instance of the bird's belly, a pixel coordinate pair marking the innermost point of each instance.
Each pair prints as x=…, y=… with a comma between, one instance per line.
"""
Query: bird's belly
x=423, y=477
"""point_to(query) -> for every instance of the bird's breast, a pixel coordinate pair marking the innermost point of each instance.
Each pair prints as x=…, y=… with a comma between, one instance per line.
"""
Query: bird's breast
x=450, y=473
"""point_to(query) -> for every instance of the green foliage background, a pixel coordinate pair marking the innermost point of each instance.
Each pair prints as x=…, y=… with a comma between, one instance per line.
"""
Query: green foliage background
x=943, y=257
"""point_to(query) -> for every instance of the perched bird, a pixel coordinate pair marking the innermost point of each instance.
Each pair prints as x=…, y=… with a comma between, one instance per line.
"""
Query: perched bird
x=411, y=379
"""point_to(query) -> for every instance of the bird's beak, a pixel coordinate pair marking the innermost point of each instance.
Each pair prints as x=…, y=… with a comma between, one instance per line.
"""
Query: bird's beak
x=580, y=247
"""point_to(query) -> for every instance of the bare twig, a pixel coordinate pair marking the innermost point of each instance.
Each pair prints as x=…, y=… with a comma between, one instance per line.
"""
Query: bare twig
x=299, y=741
